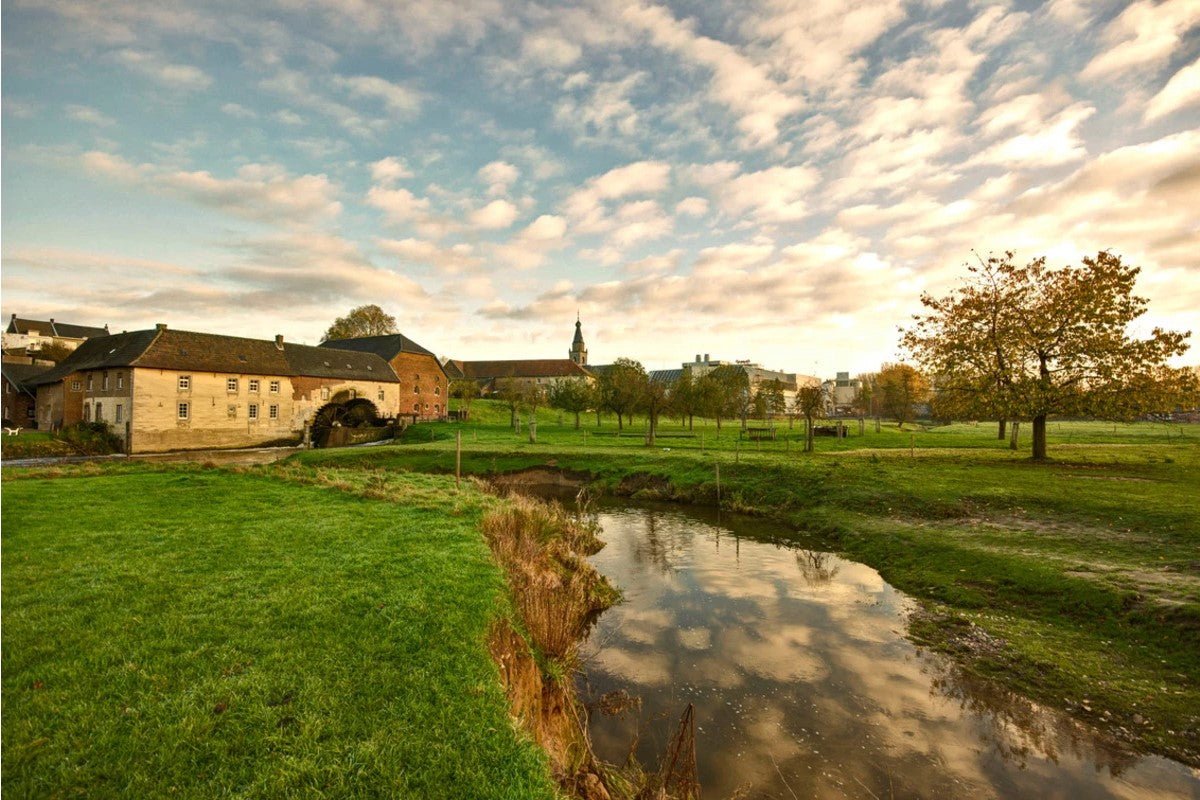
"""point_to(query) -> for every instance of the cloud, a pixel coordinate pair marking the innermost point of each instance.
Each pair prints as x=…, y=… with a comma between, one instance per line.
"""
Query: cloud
x=587, y=205
x=237, y=110
x=1181, y=91
x=399, y=205
x=90, y=116
x=607, y=109
x=494, y=216
x=772, y=195
x=498, y=175
x=530, y=247
x=1055, y=142
x=398, y=99
x=692, y=207
x=453, y=260
x=760, y=104
x=1144, y=35
x=390, y=170
x=154, y=67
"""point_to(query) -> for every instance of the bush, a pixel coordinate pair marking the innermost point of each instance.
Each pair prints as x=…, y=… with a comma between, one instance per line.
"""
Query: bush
x=91, y=438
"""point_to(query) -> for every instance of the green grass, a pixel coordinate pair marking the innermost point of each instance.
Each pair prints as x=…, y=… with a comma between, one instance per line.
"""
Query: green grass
x=1087, y=566
x=203, y=633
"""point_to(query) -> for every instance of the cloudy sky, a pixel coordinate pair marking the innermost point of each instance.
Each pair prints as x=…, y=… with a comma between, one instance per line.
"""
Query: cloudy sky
x=773, y=180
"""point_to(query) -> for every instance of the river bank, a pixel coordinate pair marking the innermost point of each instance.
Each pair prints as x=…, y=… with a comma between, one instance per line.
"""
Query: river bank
x=1084, y=569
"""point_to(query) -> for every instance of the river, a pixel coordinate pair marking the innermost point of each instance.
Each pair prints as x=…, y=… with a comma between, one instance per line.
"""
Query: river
x=804, y=684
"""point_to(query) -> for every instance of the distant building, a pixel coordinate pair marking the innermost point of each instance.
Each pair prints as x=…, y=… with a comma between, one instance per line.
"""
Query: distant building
x=164, y=390
x=790, y=381
x=525, y=371
x=32, y=335
x=424, y=384
x=578, y=351
x=841, y=393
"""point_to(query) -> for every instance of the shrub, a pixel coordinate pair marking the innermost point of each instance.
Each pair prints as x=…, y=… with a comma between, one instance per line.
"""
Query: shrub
x=91, y=438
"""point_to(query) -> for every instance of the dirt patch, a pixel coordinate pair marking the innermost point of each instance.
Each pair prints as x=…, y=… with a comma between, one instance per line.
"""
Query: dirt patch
x=644, y=486
x=535, y=477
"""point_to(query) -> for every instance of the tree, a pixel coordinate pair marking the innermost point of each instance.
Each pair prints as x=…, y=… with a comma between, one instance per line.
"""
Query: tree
x=52, y=351
x=464, y=390
x=686, y=400
x=510, y=390
x=810, y=404
x=727, y=392
x=769, y=399
x=573, y=396
x=866, y=396
x=624, y=384
x=368, y=320
x=656, y=397
x=1059, y=343
x=901, y=387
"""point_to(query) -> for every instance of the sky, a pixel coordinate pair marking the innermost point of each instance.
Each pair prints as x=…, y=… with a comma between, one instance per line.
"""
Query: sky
x=776, y=180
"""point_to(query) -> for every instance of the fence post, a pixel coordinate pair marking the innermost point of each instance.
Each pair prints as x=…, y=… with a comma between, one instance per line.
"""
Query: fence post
x=718, y=463
x=912, y=453
x=457, y=459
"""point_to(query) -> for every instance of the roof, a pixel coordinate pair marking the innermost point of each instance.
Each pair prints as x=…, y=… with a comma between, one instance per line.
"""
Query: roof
x=19, y=374
x=52, y=328
x=520, y=368
x=386, y=347
x=210, y=352
x=667, y=376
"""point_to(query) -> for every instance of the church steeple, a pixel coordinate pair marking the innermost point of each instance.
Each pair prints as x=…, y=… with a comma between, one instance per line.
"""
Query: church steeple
x=578, y=350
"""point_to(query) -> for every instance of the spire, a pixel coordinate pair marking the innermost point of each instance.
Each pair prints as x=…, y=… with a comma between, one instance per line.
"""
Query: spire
x=578, y=351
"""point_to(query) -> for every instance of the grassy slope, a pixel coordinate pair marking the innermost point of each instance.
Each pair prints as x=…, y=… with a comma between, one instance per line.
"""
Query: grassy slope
x=1088, y=566
x=208, y=634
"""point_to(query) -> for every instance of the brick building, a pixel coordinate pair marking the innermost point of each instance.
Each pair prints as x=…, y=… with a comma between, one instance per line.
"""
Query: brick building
x=19, y=397
x=424, y=384
x=176, y=390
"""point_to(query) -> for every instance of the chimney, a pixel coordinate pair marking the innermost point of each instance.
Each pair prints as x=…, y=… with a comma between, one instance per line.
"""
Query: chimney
x=279, y=341
x=706, y=358
x=697, y=358
x=161, y=326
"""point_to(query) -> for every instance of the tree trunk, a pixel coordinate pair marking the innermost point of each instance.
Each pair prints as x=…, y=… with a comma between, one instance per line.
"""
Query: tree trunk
x=576, y=420
x=652, y=424
x=691, y=423
x=1039, y=438
x=512, y=416
x=1003, y=425
x=1016, y=433
x=808, y=434
x=597, y=418
x=718, y=424
x=620, y=422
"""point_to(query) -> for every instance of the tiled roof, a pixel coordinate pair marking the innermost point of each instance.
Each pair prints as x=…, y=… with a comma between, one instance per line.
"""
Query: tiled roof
x=211, y=352
x=666, y=375
x=523, y=368
x=52, y=328
x=20, y=374
x=386, y=347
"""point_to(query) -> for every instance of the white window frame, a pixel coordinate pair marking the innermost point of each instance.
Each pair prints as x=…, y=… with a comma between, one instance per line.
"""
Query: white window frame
x=273, y=411
x=231, y=385
x=121, y=381
x=381, y=395
x=255, y=386
x=252, y=412
x=274, y=387
x=104, y=382
x=185, y=383
x=324, y=392
x=119, y=414
x=183, y=411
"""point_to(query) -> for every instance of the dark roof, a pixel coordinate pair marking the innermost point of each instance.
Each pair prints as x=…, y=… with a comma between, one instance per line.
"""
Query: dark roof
x=452, y=368
x=521, y=368
x=667, y=376
x=578, y=333
x=19, y=374
x=52, y=328
x=386, y=347
x=211, y=352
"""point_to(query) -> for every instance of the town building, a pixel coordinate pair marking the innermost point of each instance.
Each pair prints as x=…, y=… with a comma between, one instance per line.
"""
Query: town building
x=841, y=393
x=31, y=335
x=758, y=375
x=424, y=384
x=164, y=389
x=544, y=372
x=20, y=398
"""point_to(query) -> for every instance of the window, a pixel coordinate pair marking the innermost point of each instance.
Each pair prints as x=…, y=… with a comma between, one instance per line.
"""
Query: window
x=417, y=407
x=437, y=390
x=89, y=383
x=185, y=382
x=120, y=417
x=437, y=408
x=99, y=412
x=104, y=382
x=324, y=392
x=252, y=411
x=427, y=406
x=231, y=411
x=7, y=387
x=183, y=410
x=274, y=387
x=76, y=386
x=353, y=393
x=381, y=394
x=87, y=413
x=273, y=412
x=29, y=412
x=253, y=385
x=416, y=390
x=417, y=377
x=231, y=384
x=121, y=381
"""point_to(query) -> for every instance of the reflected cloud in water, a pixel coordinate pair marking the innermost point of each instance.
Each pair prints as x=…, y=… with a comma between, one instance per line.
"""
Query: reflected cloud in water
x=804, y=683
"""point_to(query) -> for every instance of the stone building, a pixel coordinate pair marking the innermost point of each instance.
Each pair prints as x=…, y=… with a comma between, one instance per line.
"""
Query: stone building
x=526, y=372
x=424, y=384
x=164, y=390
x=30, y=335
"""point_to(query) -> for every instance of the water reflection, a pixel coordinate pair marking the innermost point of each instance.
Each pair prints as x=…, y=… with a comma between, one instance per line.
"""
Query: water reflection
x=805, y=686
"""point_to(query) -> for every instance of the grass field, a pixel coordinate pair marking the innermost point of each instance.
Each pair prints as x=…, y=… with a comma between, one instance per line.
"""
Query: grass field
x=1087, y=567
x=200, y=633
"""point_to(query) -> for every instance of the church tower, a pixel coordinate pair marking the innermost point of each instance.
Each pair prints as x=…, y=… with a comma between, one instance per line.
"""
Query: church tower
x=578, y=350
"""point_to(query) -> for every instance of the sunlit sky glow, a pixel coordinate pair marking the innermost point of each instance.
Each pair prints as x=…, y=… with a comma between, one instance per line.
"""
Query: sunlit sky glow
x=769, y=180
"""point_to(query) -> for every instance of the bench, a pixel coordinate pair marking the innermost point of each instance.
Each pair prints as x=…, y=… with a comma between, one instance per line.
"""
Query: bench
x=757, y=434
